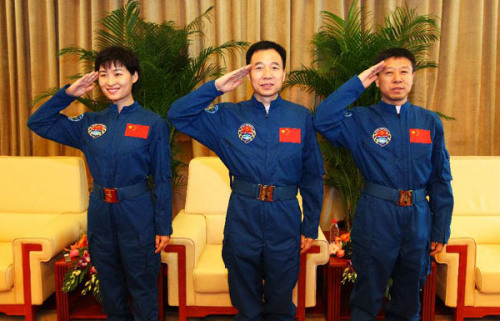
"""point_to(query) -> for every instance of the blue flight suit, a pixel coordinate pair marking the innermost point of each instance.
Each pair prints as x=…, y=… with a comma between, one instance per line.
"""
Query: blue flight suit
x=393, y=151
x=122, y=149
x=261, y=238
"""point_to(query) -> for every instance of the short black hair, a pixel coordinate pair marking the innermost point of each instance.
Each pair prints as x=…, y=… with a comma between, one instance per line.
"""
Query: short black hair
x=397, y=53
x=265, y=45
x=117, y=55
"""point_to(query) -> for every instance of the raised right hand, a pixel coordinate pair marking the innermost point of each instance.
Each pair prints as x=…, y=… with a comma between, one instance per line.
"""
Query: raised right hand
x=83, y=85
x=368, y=76
x=232, y=80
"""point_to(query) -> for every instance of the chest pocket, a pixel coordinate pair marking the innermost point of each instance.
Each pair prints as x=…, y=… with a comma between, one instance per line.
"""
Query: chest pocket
x=130, y=144
x=381, y=149
x=98, y=137
x=421, y=151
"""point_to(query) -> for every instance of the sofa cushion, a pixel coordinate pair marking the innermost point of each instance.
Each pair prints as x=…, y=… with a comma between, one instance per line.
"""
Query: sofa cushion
x=215, y=228
x=16, y=225
x=474, y=183
x=488, y=268
x=43, y=185
x=484, y=229
x=203, y=172
x=6, y=266
x=210, y=274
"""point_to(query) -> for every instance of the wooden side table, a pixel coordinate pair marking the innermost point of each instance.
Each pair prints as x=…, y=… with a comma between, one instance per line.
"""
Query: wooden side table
x=335, y=269
x=75, y=306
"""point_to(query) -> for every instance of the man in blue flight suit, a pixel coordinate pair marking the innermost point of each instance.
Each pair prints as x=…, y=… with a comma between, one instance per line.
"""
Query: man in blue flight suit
x=270, y=149
x=127, y=227
x=401, y=153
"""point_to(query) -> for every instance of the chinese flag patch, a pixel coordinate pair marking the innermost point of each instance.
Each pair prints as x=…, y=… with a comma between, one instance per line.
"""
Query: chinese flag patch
x=421, y=136
x=139, y=131
x=290, y=135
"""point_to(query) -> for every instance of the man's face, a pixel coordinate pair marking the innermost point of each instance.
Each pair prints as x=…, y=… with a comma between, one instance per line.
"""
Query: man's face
x=116, y=84
x=267, y=74
x=395, y=80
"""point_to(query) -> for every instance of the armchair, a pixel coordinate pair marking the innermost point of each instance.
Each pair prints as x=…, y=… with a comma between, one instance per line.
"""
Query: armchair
x=43, y=206
x=197, y=278
x=468, y=271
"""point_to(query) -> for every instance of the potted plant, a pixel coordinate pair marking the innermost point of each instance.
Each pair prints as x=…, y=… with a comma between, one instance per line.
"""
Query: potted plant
x=342, y=49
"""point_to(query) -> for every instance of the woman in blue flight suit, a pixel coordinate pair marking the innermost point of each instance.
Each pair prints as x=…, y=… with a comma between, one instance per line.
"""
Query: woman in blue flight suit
x=270, y=149
x=128, y=226
x=400, y=150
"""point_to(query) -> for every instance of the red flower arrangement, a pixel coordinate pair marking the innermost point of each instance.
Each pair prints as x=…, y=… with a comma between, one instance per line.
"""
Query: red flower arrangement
x=81, y=269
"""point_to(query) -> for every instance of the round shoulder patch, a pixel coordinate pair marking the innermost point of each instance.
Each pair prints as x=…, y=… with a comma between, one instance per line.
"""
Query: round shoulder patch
x=76, y=118
x=212, y=109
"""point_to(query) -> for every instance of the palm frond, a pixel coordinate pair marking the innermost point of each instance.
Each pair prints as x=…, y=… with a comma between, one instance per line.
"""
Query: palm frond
x=196, y=25
x=43, y=95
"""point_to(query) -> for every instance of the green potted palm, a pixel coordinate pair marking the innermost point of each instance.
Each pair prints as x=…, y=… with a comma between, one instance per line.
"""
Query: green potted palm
x=342, y=49
x=168, y=72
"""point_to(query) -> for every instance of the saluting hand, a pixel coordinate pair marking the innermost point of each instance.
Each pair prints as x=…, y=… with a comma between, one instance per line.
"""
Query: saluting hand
x=232, y=80
x=368, y=76
x=83, y=85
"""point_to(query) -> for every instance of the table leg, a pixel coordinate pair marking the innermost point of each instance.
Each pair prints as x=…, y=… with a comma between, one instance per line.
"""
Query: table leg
x=334, y=279
x=62, y=303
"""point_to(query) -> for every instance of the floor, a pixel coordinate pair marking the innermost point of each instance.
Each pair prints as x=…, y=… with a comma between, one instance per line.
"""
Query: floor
x=48, y=313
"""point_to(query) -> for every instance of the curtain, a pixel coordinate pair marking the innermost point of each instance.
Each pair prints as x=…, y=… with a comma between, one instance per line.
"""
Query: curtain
x=465, y=85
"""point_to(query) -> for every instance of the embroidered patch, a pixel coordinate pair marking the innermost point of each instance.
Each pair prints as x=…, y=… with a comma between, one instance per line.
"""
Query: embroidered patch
x=76, y=118
x=381, y=136
x=96, y=130
x=139, y=131
x=290, y=135
x=246, y=133
x=212, y=109
x=348, y=114
x=420, y=136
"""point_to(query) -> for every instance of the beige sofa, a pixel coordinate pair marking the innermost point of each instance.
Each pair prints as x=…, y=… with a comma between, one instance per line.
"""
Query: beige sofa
x=468, y=273
x=43, y=206
x=196, y=245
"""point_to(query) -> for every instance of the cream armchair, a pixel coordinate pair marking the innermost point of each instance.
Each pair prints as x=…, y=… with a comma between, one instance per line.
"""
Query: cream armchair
x=197, y=278
x=43, y=206
x=468, y=271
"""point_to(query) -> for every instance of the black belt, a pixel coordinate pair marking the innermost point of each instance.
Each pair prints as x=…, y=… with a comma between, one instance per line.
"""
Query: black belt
x=267, y=193
x=400, y=197
x=115, y=195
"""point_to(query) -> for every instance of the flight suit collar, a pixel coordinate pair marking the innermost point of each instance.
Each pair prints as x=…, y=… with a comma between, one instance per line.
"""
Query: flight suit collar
x=275, y=103
x=392, y=108
x=126, y=109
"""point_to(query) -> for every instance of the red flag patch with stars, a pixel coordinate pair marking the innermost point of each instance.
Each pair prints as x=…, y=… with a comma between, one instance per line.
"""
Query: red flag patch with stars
x=139, y=131
x=290, y=135
x=420, y=136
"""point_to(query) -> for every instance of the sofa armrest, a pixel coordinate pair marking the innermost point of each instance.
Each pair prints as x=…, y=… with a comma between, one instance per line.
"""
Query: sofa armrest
x=453, y=283
x=190, y=231
x=53, y=238
x=314, y=259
